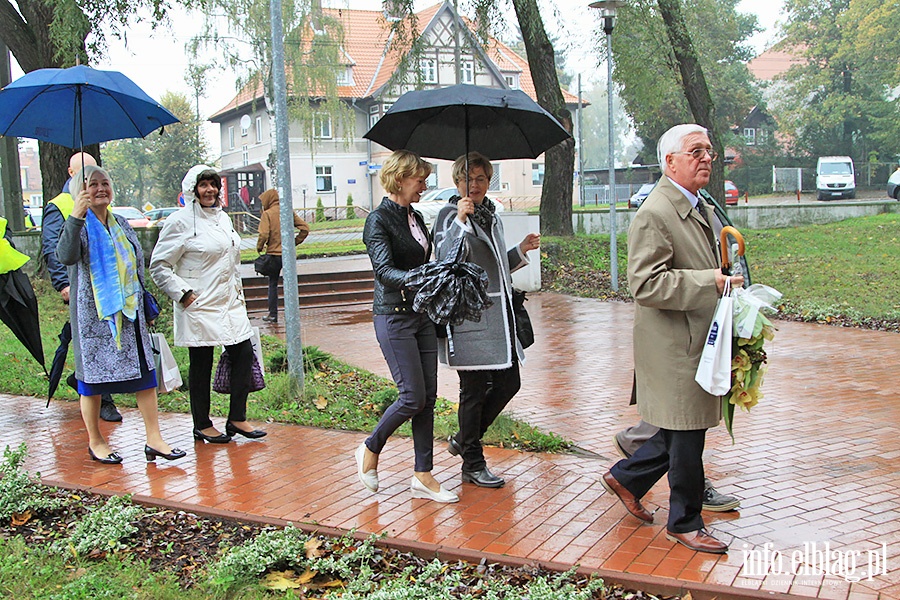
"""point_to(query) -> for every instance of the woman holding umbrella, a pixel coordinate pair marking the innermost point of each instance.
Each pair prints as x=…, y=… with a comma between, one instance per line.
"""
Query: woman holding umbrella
x=397, y=242
x=106, y=309
x=486, y=354
x=195, y=262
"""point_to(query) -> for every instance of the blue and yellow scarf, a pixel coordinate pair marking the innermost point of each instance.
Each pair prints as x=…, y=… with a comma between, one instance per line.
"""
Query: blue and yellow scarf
x=113, y=273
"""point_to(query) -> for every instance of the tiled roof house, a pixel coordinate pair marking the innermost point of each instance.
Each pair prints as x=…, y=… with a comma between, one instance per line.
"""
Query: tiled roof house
x=344, y=162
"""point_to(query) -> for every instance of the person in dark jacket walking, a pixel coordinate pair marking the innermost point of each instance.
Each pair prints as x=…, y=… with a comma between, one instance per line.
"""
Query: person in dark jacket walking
x=397, y=241
x=55, y=214
x=269, y=242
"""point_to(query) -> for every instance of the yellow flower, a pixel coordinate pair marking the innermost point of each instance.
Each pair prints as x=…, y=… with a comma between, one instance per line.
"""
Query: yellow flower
x=741, y=361
x=768, y=332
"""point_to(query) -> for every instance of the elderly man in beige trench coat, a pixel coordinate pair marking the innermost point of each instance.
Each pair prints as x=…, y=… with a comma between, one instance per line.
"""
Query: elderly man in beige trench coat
x=674, y=276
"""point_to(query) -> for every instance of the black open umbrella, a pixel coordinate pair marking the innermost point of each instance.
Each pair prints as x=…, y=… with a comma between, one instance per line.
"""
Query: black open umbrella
x=19, y=310
x=446, y=122
x=59, y=360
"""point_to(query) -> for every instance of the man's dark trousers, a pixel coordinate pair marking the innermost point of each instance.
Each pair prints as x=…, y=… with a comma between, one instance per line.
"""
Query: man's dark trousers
x=680, y=453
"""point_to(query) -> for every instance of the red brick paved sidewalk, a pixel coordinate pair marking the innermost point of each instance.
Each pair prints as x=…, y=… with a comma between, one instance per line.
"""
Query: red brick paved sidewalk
x=814, y=463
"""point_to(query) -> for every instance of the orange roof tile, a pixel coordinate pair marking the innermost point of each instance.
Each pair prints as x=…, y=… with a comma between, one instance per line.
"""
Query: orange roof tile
x=772, y=63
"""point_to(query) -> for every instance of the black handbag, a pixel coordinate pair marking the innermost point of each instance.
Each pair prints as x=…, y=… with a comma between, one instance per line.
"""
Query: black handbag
x=268, y=265
x=524, y=330
x=222, y=379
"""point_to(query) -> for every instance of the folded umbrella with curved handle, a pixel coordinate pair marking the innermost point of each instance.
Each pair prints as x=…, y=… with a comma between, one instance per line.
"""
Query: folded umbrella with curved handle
x=723, y=238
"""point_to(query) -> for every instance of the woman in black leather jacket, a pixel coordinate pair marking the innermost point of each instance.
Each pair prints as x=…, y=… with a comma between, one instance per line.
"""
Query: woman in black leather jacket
x=397, y=241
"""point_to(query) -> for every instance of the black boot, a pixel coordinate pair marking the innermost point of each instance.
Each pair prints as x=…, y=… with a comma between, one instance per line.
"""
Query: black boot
x=108, y=411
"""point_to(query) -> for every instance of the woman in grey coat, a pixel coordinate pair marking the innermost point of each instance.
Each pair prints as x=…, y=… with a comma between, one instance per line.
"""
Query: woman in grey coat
x=106, y=309
x=486, y=354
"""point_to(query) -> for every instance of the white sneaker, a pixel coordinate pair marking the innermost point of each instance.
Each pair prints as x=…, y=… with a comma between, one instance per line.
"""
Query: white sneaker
x=370, y=477
x=420, y=490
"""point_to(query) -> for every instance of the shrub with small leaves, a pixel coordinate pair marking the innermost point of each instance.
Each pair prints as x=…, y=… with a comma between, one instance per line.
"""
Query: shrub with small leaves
x=104, y=528
x=19, y=492
x=274, y=548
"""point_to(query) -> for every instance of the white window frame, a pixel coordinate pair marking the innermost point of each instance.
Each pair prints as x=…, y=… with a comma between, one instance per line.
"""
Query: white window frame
x=373, y=118
x=750, y=136
x=428, y=69
x=495, y=178
x=537, y=169
x=324, y=178
x=245, y=155
x=231, y=137
x=467, y=72
x=259, y=137
x=322, y=126
x=511, y=82
x=345, y=77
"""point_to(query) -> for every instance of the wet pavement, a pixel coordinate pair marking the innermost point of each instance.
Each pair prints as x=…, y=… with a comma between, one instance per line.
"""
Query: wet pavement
x=815, y=463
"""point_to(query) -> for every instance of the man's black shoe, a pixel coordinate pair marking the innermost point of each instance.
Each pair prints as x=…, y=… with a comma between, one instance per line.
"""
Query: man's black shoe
x=716, y=502
x=108, y=411
x=483, y=478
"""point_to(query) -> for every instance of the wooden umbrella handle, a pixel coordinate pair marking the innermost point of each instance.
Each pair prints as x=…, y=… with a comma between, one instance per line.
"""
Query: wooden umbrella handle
x=723, y=238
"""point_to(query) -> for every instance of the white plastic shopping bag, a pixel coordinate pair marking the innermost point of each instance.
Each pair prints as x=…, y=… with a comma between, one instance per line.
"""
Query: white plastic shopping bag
x=168, y=377
x=714, y=370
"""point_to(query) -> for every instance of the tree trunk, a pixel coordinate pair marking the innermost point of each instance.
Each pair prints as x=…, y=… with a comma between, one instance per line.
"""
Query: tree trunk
x=559, y=161
x=695, y=89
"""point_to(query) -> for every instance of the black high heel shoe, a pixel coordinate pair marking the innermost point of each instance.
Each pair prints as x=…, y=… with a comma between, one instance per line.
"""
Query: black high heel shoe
x=152, y=453
x=113, y=458
x=232, y=430
x=222, y=438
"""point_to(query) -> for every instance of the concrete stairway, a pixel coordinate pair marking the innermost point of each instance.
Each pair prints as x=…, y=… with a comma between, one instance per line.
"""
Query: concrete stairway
x=315, y=290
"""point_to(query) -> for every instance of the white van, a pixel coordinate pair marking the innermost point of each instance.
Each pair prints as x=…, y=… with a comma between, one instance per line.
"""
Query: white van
x=835, y=178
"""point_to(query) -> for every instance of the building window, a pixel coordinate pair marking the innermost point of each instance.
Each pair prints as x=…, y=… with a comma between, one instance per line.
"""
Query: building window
x=245, y=155
x=467, y=72
x=511, y=81
x=432, y=181
x=231, y=138
x=322, y=126
x=537, y=173
x=244, y=132
x=259, y=130
x=324, y=180
x=495, y=178
x=428, y=68
x=345, y=76
x=373, y=119
x=750, y=136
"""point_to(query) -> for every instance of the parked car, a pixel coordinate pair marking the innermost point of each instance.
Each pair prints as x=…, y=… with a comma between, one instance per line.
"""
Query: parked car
x=434, y=200
x=835, y=178
x=158, y=215
x=731, y=193
x=639, y=196
x=135, y=217
x=893, y=185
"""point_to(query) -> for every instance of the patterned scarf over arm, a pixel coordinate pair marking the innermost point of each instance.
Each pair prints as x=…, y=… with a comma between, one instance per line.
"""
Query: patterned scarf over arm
x=113, y=273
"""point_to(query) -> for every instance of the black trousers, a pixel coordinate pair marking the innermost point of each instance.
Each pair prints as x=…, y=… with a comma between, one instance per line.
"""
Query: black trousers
x=680, y=454
x=200, y=380
x=273, y=289
x=482, y=397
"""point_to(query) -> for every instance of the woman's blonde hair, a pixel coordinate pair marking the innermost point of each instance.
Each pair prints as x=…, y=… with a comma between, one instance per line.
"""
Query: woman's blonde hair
x=83, y=175
x=476, y=159
x=400, y=165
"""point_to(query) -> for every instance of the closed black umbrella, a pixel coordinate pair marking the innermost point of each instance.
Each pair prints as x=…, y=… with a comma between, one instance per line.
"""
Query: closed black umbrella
x=59, y=360
x=446, y=122
x=450, y=291
x=19, y=310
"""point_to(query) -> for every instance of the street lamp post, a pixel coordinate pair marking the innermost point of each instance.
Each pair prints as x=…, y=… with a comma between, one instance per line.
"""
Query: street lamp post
x=608, y=10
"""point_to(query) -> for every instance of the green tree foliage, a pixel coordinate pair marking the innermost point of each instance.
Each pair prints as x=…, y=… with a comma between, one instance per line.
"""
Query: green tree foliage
x=151, y=169
x=843, y=99
x=647, y=73
x=595, y=129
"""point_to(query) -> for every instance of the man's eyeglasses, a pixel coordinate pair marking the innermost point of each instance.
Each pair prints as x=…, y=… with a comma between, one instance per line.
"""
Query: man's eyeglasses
x=700, y=153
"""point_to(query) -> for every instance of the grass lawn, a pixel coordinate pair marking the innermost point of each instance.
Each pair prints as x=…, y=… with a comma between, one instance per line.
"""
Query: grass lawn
x=846, y=272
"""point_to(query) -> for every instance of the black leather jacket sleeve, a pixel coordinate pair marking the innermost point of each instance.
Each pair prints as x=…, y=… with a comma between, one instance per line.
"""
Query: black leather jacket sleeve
x=393, y=252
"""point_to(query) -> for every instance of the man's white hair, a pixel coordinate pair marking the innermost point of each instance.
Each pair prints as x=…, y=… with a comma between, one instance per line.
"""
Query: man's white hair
x=673, y=140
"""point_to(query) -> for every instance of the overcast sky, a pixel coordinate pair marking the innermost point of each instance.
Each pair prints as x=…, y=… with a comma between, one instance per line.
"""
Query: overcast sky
x=157, y=61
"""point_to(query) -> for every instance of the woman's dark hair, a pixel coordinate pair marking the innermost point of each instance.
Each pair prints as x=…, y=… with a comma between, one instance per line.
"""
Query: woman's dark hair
x=208, y=175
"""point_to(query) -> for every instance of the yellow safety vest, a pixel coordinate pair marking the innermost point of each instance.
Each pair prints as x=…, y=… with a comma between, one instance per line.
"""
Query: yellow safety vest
x=10, y=258
x=65, y=203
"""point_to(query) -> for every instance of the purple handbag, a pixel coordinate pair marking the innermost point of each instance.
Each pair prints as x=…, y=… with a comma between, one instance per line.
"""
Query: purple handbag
x=222, y=380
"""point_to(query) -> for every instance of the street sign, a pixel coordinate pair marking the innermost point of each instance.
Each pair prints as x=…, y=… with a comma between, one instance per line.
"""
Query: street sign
x=148, y=207
x=363, y=163
x=351, y=181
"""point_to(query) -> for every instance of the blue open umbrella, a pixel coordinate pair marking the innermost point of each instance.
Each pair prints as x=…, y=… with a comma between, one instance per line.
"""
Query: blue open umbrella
x=78, y=106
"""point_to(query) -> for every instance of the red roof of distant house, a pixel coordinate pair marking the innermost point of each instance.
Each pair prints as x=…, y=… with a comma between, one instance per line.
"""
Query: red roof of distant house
x=772, y=63
x=366, y=37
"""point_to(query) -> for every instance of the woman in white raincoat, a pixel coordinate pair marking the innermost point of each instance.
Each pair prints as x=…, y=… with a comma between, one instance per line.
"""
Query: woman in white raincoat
x=195, y=262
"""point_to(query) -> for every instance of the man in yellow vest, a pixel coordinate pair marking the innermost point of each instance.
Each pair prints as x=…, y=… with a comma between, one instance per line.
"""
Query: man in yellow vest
x=55, y=214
